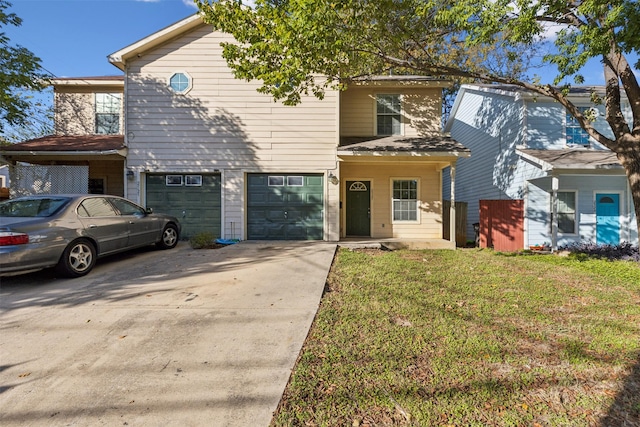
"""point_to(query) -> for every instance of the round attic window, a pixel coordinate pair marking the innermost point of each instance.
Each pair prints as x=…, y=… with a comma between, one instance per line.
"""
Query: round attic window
x=180, y=82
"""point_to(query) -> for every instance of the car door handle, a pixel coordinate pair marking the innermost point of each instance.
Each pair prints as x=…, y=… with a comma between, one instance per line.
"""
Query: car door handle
x=93, y=226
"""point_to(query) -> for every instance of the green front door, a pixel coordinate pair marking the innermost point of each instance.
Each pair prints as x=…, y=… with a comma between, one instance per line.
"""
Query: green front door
x=358, y=208
x=194, y=199
x=285, y=207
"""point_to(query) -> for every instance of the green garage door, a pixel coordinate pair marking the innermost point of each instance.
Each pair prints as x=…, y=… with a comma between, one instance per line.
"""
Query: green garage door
x=193, y=199
x=284, y=207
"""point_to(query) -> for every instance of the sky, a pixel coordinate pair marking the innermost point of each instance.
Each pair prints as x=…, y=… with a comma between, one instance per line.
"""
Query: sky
x=74, y=37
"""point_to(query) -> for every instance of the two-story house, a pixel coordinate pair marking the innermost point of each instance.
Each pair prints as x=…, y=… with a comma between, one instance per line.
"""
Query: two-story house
x=560, y=186
x=223, y=158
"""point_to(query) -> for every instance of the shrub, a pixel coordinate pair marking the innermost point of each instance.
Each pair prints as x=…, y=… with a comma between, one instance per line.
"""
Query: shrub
x=624, y=251
x=203, y=240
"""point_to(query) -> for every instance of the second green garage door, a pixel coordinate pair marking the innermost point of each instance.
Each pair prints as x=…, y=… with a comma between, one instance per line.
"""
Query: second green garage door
x=285, y=207
x=193, y=199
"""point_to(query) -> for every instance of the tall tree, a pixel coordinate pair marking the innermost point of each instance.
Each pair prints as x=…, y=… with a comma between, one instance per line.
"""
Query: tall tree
x=297, y=47
x=20, y=76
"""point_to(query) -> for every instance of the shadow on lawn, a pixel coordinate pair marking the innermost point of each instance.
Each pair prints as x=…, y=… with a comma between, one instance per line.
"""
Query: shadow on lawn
x=625, y=410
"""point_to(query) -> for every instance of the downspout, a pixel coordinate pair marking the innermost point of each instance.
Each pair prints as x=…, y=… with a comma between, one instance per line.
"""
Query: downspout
x=126, y=136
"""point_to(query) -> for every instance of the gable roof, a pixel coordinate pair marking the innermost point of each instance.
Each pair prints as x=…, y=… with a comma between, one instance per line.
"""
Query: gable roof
x=120, y=57
x=434, y=145
x=68, y=144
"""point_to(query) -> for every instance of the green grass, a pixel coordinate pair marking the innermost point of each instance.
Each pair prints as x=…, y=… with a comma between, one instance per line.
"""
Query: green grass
x=470, y=338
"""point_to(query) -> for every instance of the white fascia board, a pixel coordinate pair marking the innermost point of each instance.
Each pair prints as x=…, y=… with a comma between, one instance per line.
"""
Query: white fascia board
x=119, y=58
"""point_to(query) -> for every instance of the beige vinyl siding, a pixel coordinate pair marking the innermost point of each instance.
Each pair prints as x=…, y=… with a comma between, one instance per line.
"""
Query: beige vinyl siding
x=381, y=175
x=421, y=110
x=221, y=124
x=74, y=109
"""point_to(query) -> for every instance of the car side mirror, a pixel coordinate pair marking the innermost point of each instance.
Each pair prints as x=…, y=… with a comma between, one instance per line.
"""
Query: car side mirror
x=149, y=210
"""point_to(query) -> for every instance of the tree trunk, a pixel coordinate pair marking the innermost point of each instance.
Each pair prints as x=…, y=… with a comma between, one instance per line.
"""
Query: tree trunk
x=630, y=159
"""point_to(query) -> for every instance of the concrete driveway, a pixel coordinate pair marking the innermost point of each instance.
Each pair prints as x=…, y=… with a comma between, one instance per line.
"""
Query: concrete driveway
x=160, y=338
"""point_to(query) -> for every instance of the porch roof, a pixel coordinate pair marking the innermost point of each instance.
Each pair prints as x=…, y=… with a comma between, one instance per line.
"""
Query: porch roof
x=549, y=160
x=68, y=145
x=433, y=145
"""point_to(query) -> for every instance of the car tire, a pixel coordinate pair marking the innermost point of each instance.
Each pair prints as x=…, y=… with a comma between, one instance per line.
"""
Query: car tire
x=169, y=238
x=77, y=259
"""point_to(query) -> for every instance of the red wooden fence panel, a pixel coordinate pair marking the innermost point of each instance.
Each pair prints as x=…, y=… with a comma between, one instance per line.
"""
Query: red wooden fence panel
x=502, y=224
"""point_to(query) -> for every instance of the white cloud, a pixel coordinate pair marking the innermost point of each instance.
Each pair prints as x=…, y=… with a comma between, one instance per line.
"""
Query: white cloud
x=189, y=3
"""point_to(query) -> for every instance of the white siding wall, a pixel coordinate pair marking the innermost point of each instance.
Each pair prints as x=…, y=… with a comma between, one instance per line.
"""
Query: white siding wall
x=490, y=126
x=585, y=186
x=221, y=124
x=546, y=123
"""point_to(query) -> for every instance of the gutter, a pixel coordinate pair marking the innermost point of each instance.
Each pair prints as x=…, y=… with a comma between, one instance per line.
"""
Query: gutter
x=121, y=152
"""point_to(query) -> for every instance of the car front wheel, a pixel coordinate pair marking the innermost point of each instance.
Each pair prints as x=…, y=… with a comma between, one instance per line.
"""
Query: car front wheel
x=77, y=259
x=169, y=237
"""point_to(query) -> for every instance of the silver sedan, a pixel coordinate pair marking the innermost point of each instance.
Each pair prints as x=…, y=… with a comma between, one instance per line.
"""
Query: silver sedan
x=70, y=232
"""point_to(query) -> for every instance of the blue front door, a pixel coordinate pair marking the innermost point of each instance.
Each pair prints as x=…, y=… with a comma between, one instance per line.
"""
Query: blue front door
x=607, y=219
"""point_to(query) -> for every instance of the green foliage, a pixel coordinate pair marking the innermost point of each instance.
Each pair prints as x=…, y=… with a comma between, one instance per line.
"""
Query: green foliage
x=301, y=47
x=203, y=240
x=20, y=75
x=469, y=337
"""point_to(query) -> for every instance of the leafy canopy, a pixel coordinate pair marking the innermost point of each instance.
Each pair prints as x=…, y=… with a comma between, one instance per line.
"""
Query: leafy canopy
x=20, y=75
x=308, y=46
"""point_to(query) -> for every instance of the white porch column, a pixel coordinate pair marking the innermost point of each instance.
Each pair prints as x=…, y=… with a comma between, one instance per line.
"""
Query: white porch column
x=554, y=213
x=452, y=209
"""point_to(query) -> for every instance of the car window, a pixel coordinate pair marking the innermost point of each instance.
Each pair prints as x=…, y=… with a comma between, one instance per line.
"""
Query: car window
x=127, y=208
x=31, y=208
x=96, y=206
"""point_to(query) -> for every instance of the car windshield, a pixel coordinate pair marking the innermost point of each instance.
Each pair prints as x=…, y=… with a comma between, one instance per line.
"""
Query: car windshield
x=32, y=207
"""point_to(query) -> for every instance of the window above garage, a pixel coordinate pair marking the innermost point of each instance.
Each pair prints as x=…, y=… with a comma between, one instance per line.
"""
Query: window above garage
x=180, y=82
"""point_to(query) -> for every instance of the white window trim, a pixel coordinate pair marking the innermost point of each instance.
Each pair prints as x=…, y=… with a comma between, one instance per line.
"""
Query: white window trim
x=623, y=211
x=590, y=140
x=576, y=221
x=120, y=97
x=375, y=112
x=418, y=201
x=189, y=87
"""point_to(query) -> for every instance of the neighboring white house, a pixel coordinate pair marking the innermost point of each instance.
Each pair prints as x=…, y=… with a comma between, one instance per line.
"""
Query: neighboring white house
x=527, y=148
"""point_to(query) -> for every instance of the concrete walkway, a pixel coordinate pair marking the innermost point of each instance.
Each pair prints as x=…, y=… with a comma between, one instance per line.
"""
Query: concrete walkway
x=160, y=338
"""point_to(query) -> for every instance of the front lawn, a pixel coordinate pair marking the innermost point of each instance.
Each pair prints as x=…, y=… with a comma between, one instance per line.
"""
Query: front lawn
x=470, y=338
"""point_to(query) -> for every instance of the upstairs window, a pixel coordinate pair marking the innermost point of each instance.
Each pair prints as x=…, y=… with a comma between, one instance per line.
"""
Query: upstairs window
x=108, y=106
x=388, y=115
x=180, y=82
x=575, y=134
x=405, y=200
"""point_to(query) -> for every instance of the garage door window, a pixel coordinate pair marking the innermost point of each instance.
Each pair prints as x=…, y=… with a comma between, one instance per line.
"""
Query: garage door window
x=174, y=180
x=276, y=181
x=295, y=181
x=193, y=180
